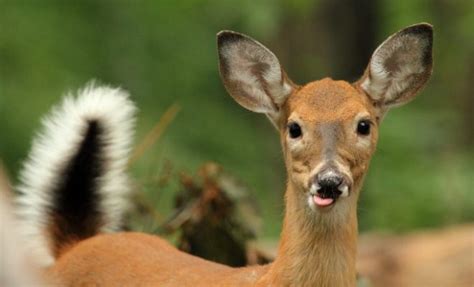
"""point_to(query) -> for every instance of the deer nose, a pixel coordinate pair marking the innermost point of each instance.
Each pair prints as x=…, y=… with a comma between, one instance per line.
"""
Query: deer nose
x=329, y=185
x=330, y=182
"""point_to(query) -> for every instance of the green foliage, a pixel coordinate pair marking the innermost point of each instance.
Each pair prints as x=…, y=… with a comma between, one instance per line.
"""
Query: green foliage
x=164, y=52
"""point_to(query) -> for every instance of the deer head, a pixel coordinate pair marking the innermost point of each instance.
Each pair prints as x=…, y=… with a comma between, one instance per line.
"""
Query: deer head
x=328, y=129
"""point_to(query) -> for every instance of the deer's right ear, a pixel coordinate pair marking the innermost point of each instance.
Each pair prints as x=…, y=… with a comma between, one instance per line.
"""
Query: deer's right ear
x=252, y=74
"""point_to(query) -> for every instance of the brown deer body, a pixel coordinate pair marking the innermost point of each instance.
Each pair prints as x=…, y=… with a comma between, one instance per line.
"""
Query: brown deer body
x=328, y=132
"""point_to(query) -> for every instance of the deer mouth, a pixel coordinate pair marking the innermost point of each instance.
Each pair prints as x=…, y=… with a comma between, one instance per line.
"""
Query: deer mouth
x=326, y=197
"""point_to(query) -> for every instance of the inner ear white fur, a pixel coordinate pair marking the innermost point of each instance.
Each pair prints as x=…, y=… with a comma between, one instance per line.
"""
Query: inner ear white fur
x=400, y=66
x=252, y=74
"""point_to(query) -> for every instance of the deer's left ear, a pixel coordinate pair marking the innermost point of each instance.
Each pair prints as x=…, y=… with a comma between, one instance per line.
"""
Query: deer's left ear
x=400, y=67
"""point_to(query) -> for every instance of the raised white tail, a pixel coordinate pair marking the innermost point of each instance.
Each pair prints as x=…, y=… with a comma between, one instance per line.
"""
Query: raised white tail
x=74, y=185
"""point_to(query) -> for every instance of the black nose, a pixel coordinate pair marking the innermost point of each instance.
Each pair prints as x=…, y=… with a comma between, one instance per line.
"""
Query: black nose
x=330, y=182
x=329, y=186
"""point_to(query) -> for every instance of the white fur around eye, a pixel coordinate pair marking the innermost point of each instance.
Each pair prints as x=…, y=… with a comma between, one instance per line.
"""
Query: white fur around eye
x=296, y=145
x=362, y=141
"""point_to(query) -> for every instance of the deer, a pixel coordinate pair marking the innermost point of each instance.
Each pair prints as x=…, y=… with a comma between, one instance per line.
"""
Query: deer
x=74, y=185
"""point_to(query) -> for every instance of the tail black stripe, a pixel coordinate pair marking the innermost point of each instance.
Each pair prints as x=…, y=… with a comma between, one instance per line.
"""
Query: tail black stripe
x=76, y=212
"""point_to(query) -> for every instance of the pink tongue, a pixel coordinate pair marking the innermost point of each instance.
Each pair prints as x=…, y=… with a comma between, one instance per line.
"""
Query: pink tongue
x=322, y=201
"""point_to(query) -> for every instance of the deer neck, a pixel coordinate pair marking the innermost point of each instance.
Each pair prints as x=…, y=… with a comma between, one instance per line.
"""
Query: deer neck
x=316, y=249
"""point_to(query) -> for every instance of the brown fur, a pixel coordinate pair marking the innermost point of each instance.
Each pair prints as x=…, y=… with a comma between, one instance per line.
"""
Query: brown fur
x=318, y=244
x=312, y=248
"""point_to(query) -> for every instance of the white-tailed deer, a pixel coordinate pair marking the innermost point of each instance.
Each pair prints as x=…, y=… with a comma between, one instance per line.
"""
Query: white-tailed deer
x=74, y=183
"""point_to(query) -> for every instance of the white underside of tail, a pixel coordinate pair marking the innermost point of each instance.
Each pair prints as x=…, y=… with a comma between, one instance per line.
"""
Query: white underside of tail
x=60, y=138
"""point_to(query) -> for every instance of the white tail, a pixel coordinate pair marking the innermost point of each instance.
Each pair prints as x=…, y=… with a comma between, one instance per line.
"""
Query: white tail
x=328, y=130
x=74, y=186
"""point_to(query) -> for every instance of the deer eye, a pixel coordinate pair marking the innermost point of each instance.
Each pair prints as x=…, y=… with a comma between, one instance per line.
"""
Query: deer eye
x=363, y=127
x=294, y=130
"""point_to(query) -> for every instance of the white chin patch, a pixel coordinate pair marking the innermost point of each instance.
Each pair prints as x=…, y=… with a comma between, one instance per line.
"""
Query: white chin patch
x=311, y=203
x=314, y=188
x=344, y=191
x=314, y=201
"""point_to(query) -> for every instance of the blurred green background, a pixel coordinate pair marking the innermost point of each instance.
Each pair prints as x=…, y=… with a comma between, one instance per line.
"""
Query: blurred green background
x=164, y=52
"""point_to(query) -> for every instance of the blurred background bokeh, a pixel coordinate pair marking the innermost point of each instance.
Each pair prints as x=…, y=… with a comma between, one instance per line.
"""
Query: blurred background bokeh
x=164, y=53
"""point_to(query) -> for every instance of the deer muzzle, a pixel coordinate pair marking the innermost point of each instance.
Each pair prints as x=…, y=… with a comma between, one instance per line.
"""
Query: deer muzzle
x=328, y=185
